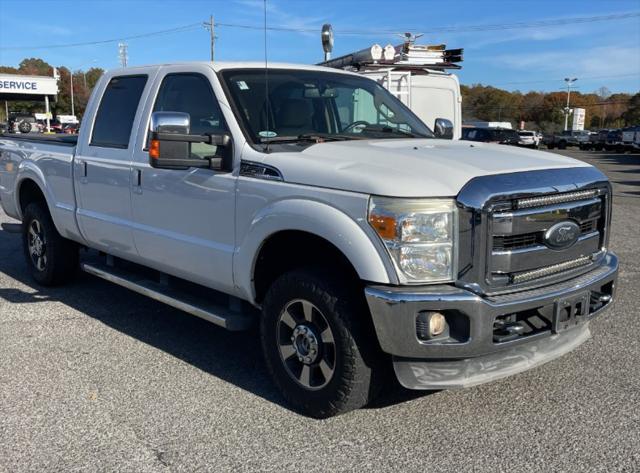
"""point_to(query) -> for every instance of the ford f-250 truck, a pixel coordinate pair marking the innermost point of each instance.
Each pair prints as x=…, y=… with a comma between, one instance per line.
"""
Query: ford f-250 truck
x=314, y=203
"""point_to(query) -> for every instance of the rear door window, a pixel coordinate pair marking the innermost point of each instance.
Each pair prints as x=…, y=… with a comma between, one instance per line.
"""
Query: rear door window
x=117, y=110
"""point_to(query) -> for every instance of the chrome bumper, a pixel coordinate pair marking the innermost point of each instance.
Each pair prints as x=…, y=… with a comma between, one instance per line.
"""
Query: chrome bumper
x=474, y=357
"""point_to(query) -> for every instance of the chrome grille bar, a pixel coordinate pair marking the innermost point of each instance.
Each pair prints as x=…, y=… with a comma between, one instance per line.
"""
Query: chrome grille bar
x=549, y=270
x=541, y=201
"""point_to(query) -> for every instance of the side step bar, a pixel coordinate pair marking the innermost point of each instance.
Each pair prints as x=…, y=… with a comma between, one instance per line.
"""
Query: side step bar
x=216, y=314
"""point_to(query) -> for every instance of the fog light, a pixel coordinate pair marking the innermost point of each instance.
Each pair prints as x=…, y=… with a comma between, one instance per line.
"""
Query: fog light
x=430, y=325
x=437, y=324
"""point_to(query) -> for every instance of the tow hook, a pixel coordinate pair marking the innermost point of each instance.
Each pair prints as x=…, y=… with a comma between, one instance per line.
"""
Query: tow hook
x=503, y=330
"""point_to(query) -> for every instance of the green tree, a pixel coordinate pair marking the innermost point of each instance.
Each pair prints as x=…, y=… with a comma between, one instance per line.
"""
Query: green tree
x=35, y=67
x=632, y=114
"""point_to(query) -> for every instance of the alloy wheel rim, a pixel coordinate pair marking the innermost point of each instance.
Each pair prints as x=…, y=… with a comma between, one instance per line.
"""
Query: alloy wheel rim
x=306, y=344
x=36, y=242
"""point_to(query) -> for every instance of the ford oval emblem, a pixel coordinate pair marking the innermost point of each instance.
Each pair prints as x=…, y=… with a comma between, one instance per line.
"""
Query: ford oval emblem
x=562, y=235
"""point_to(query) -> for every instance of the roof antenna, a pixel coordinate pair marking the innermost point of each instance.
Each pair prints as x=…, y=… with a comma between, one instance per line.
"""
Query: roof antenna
x=266, y=75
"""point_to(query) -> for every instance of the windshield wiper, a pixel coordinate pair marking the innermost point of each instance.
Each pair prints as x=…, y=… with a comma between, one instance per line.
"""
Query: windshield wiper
x=315, y=137
x=390, y=130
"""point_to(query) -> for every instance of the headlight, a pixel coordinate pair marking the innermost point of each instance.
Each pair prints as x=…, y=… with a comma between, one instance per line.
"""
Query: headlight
x=420, y=235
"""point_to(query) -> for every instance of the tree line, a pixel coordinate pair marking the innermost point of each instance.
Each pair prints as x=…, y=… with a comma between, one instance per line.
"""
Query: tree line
x=539, y=110
x=545, y=110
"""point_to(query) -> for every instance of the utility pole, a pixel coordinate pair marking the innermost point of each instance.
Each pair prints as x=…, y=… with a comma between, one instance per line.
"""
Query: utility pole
x=122, y=54
x=210, y=25
x=567, y=110
x=73, y=110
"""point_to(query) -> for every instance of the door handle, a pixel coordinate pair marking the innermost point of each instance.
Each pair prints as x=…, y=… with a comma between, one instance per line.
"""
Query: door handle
x=83, y=177
x=137, y=183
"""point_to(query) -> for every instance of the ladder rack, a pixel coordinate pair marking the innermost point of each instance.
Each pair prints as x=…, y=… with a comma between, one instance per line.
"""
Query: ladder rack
x=407, y=55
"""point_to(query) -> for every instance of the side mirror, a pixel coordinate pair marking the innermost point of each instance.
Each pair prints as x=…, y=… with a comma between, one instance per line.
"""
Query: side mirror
x=443, y=128
x=170, y=144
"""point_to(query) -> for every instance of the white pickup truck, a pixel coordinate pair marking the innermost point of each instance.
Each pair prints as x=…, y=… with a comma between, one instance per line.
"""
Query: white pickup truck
x=327, y=213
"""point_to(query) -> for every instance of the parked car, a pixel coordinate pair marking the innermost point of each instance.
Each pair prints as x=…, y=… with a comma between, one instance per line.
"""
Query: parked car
x=614, y=140
x=628, y=137
x=636, y=141
x=56, y=126
x=21, y=123
x=567, y=139
x=530, y=139
x=491, y=135
x=70, y=128
x=598, y=140
x=357, y=239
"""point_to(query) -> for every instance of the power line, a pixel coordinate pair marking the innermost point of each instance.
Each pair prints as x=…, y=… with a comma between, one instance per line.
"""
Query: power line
x=453, y=29
x=440, y=29
x=179, y=29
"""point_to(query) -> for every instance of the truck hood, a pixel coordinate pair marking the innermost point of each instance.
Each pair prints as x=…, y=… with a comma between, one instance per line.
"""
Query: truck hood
x=408, y=167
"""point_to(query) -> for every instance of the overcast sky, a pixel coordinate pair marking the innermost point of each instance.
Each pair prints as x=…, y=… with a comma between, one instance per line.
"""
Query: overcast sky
x=599, y=53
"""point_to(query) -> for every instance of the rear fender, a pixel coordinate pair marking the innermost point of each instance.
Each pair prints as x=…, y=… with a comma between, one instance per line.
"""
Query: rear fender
x=62, y=214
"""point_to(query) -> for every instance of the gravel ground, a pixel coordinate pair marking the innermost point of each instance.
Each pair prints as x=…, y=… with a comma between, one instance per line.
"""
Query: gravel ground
x=96, y=378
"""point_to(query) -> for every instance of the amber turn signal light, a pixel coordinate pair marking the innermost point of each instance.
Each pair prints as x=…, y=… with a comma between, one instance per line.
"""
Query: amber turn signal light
x=384, y=225
x=154, y=149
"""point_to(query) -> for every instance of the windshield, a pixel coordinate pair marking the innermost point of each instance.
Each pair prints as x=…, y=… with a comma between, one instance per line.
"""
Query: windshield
x=317, y=106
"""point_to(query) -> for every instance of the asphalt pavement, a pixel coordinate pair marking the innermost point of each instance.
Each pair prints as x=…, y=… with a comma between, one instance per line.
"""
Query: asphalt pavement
x=96, y=378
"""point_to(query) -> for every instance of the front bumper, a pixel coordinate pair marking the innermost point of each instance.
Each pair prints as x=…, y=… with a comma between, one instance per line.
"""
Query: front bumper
x=472, y=355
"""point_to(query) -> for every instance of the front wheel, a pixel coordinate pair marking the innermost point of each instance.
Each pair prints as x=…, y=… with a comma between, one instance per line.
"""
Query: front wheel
x=51, y=258
x=319, y=345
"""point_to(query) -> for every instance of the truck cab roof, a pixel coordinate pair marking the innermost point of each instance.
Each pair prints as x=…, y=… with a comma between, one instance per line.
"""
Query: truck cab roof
x=224, y=65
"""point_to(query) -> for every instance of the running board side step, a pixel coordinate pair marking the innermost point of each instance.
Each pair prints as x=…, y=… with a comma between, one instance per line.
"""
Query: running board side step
x=217, y=314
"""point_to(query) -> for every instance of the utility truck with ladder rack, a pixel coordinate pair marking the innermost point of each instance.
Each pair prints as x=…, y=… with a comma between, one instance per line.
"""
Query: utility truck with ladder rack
x=418, y=75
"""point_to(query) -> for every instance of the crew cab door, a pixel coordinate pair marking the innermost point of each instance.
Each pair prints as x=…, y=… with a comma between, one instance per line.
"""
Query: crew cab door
x=102, y=166
x=185, y=218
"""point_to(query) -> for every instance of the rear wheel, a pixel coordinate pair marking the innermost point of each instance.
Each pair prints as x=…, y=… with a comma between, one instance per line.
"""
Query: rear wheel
x=51, y=258
x=319, y=345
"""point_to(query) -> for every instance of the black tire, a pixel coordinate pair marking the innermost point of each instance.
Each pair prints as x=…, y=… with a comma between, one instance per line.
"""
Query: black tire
x=52, y=259
x=24, y=127
x=359, y=366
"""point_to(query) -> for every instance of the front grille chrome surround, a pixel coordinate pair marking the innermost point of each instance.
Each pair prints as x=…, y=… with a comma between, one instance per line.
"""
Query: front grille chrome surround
x=488, y=208
x=545, y=200
x=550, y=270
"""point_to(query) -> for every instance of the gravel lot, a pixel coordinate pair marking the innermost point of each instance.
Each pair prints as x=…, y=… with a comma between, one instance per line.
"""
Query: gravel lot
x=96, y=378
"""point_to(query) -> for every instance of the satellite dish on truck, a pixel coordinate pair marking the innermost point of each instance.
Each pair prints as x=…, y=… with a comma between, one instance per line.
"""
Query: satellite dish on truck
x=327, y=40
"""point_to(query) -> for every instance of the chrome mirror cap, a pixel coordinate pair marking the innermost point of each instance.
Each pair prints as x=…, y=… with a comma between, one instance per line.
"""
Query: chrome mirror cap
x=170, y=122
x=443, y=128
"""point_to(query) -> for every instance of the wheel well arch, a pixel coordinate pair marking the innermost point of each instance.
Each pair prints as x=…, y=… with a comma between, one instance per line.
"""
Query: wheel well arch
x=290, y=249
x=29, y=191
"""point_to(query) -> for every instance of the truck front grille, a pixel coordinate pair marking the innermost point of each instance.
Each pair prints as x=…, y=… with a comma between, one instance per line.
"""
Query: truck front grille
x=515, y=242
x=518, y=252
